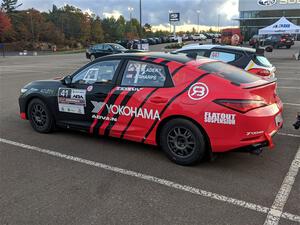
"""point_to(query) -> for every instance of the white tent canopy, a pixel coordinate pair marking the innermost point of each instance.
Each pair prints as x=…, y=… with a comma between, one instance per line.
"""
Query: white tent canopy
x=280, y=27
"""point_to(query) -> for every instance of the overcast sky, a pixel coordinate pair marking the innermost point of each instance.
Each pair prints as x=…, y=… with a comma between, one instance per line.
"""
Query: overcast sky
x=155, y=12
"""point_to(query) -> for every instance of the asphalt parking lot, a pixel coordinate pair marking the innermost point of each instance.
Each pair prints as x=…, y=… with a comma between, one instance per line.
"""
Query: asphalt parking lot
x=73, y=178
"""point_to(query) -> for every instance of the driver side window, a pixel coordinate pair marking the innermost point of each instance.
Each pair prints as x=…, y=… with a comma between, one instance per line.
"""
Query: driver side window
x=101, y=72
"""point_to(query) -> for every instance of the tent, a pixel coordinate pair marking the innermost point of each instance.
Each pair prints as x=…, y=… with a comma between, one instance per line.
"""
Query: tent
x=280, y=27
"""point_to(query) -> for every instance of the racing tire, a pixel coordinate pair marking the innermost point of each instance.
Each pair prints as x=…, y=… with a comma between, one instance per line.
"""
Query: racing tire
x=288, y=46
x=40, y=116
x=183, y=142
x=92, y=58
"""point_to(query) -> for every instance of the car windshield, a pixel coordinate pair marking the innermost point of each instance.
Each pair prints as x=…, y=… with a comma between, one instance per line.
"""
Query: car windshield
x=263, y=61
x=118, y=47
x=229, y=72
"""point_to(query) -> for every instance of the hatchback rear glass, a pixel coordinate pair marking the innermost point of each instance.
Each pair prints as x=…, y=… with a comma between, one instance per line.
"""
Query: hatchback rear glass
x=229, y=72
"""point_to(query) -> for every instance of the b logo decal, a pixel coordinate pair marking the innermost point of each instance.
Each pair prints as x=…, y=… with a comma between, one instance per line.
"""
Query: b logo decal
x=198, y=91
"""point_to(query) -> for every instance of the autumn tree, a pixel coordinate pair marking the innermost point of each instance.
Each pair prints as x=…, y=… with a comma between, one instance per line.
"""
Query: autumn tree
x=5, y=23
x=97, y=34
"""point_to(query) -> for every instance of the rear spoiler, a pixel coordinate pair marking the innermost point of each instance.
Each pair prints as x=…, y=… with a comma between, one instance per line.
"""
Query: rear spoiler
x=269, y=81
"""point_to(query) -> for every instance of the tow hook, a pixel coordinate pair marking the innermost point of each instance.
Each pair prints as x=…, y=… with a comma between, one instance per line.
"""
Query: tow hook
x=270, y=141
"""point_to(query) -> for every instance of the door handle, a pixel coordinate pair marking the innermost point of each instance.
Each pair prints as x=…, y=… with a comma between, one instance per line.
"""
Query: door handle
x=158, y=100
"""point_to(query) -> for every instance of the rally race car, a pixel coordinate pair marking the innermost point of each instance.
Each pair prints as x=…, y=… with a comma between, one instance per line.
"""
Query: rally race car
x=188, y=107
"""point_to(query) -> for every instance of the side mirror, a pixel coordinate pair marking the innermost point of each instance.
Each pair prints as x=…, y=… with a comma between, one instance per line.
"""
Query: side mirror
x=67, y=80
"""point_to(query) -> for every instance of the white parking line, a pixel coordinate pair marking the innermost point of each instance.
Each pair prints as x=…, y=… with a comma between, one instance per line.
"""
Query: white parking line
x=290, y=135
x=171, y=184
x=291, y=104
x=287, y=87
x=282, y=196
x=288, y=78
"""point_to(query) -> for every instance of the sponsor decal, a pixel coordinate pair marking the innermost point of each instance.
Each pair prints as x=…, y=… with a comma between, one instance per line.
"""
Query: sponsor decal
x=122, y=110
x=266, y=2
x=71, y=100
x=129, y=89
x=220, y=118
x=254, y=132
x=47, y=91
x=89, y=88
x=198, y=91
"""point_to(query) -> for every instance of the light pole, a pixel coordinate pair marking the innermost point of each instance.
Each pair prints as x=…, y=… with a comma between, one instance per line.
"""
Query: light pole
x=130, y=10
x=31, y=24
x=170, y=11
x=141, y=28
x=198, y=21
x=219, y=23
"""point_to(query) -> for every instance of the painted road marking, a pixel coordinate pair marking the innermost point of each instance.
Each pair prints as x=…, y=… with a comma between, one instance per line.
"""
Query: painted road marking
x=282, y=196
x=290, y=135
x=287, y=87
x=171, y=184
x=288, y=78
x=291, y=104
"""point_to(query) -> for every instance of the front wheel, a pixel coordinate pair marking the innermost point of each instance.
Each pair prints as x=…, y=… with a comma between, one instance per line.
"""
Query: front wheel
x=40, y=117
x=92, y=58
x=183, y=142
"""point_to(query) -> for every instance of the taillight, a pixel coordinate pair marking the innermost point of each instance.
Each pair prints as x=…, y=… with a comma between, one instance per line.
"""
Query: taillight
x=283, y=40
x=260, y=72
x=240, y=105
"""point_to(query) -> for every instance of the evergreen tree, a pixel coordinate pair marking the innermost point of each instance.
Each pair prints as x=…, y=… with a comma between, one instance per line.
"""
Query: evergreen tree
x=10, y=5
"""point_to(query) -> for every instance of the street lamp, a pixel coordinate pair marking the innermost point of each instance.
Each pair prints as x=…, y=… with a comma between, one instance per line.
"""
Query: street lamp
x=141, y=28
x=198, y=21
x=130, y=10
x=170, y=11
x=31, y=22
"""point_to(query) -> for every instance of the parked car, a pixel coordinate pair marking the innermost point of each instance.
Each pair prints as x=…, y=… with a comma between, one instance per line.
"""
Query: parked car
x=198, y=37
x=279, y=40
x=158, y=40
x=248, y=59
x=256, y=41
x=173, y=38
x=99, y=50
x=190, y=108
x=151, y=41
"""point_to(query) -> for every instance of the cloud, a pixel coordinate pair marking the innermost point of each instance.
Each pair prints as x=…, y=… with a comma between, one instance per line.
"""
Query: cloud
x=115, y=14
x=154, y=12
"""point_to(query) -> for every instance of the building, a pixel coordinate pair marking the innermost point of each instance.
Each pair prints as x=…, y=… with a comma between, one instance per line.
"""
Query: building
x=257, y=14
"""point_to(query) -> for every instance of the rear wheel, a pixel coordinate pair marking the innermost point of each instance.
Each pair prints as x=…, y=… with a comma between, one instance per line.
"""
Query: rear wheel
x=288, y=46
x=182, y=141
x=40, y=117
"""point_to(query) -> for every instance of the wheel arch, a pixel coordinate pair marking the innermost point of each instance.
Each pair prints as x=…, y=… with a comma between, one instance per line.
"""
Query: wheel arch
x=30, y=98
x=169, y=118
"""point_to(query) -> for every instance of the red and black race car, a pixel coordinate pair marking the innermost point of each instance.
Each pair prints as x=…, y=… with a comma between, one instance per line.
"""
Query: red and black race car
x=188, y=107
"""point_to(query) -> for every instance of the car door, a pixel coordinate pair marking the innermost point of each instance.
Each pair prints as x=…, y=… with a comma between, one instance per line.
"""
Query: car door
x=107, y=50
x=140, y=100
x=79, y=101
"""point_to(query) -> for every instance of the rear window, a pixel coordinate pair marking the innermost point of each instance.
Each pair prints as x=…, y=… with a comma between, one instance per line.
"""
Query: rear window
x=263, y=61
x=229, y=72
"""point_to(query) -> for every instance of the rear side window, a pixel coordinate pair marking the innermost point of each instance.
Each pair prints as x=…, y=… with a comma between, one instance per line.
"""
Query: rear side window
x=229, y=72
x=142, y=74
x=263, y=61
x=222, y=56
x=194, y=51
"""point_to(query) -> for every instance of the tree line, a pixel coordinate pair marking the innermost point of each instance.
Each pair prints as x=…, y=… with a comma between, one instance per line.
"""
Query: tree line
x=65, y=27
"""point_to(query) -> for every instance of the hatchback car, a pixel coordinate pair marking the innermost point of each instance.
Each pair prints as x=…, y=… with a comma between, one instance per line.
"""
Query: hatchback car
x=248, y=59
x=99, y=50
x=190, y=108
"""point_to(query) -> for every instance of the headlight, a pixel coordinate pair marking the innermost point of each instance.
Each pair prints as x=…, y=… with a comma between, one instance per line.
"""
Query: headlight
x=23, y=90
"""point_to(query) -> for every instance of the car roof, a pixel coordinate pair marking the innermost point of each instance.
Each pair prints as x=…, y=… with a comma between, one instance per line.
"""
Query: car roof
x=180, y=58
x=225, y=47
